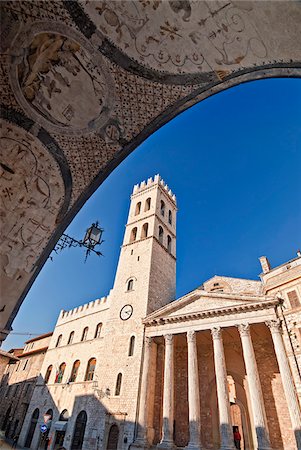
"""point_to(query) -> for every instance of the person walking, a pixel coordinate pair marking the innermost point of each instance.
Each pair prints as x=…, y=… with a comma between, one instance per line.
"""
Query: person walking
x=237, y=437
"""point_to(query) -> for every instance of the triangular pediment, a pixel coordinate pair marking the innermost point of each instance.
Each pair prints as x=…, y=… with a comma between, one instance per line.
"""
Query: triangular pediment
x=199, y=301
x=205, y=303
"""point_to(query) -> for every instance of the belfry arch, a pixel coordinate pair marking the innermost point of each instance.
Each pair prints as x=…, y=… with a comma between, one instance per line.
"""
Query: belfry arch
x=132, y=75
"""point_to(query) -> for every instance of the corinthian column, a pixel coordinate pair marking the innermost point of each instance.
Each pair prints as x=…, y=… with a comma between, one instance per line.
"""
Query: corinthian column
x=193, y=394
x=226, y=433
x=168, y=395
x=256, y=397
x=287, y=379
x=144, y=404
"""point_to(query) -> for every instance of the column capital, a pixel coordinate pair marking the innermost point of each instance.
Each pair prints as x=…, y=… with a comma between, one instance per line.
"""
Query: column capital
x=148, y=341
x=274, y=325
x=244, y=329
x=191, y=336
x=216, y=332
x=168, y=339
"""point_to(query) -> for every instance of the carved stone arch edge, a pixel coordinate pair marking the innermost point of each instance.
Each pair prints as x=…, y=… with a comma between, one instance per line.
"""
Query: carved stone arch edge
x=19, y=119
x=276, y=70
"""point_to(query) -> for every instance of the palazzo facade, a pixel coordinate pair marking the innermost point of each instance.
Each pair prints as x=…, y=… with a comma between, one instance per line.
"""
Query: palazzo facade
x=139, y=369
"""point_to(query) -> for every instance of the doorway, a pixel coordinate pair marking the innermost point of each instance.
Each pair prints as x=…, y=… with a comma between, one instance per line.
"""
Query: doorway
x=32, y=427
x=79, y=431
x=113, y=438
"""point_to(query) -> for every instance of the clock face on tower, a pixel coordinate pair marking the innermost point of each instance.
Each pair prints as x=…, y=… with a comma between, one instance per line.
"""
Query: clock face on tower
x=126, y=312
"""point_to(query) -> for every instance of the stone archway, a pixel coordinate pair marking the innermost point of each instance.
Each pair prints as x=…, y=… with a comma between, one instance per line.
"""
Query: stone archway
x=32, y=427
x=156, y=59
x=113, y=438
x=79, y=431
x=240, y=419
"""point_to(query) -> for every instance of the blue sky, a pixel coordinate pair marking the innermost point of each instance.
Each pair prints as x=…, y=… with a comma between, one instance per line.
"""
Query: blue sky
x=234, y=162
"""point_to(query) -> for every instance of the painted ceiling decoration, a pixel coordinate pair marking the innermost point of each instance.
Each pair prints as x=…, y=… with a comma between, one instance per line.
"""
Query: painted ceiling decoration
x=83, y=83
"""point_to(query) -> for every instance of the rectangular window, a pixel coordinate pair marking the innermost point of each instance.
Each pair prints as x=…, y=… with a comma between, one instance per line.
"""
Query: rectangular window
x=25, y=364
x=293, y=299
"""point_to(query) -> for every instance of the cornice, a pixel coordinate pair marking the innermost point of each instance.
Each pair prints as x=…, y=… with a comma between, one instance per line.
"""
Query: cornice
x=233, y=309
x=150, y=237
x=34, y=351
x=197, y=293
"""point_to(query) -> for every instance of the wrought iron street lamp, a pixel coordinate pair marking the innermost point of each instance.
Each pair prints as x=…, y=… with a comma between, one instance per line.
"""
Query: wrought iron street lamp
x=93, y=238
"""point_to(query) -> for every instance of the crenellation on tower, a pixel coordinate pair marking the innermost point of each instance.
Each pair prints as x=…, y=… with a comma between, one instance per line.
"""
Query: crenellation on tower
x=153, y=182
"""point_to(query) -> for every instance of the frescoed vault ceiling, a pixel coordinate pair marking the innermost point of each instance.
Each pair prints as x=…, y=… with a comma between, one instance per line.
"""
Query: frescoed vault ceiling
x=83, y=83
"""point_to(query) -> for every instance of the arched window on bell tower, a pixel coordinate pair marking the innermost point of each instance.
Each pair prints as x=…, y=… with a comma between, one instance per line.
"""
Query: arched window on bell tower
x=147, y=204
x=138, y=209
x=168, y=243
x=144, y=232
x=162, y=208
x=130, y=285
x=133, y=234
x=132, y=346
x=161, y=233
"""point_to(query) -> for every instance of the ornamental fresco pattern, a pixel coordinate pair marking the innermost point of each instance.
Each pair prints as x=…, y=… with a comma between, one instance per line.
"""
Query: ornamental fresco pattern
x=31, y=188
x=179, y=36
x=59, y=80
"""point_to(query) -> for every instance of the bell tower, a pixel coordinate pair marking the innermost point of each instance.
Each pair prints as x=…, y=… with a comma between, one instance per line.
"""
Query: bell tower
x=146, y=271
x=145, y=281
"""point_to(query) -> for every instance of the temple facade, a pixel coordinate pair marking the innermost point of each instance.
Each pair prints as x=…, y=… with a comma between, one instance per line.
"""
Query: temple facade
x=142, y=369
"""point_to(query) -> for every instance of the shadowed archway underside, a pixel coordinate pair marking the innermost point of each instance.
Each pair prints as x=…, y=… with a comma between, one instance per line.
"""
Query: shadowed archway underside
x=84, y=83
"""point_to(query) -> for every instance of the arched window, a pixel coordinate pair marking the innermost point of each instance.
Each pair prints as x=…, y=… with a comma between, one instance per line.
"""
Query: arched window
x=169, y=243
x=79, y=431
x=74, y=371
x=170, y=217
x=32, y=427
x=71, y=335
x=90, y=369
x=49, y=412
x=48, y=373
x=132, y=346
x=162, y=208
x=130, y=285
x=133, y=234
x=64, y=416
x=85, y=334
x=138, y=209
x=60, y=373
x=58, y=342
x=147, y=204
x=144, y=231
x=118, y=384
x=160, y=234
x=98, y=330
